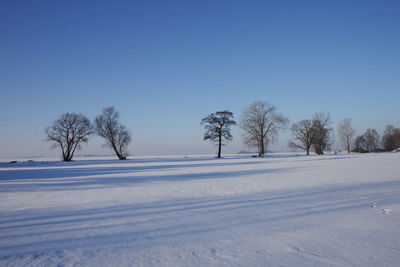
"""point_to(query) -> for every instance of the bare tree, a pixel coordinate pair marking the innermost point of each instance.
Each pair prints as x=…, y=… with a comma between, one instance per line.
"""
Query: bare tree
x=321, y=132
x=217, y=128
x=68, y=132
x=303, y=135
x=360, y=144
x=371, y=138
x=117, y=136
x=346, y=133
x=261, y=123
x=367, y=142
x=391, y=138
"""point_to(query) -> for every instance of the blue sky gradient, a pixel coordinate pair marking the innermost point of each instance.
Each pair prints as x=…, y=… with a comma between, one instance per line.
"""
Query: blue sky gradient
x=164, y=65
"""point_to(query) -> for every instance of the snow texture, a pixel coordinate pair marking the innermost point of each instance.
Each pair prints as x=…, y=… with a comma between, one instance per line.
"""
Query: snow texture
x=281, y=210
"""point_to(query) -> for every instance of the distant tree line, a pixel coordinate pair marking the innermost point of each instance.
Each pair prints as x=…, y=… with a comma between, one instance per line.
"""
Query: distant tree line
x=260, y=123
x=370, y=140
x=316, y=133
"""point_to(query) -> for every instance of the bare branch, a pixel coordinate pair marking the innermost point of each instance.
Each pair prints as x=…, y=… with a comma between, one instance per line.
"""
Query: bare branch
x=346, y=133
x=261, y=122
x=303, y=135
x=68, y=132
x=321, y=132
x=116, y=135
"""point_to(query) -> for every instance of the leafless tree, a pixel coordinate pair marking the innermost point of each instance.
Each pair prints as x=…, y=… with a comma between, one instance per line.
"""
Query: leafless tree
x=391, y=138
x=217, y=128
x=68, y=132
x=360, y=144
x=371, y=138
x=321, y=132
x=346, y=133
x=303, y=135
x=261, y=122
x=117, y=136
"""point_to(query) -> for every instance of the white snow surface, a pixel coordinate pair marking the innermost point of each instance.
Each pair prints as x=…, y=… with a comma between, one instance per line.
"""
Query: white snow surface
x=280, y=210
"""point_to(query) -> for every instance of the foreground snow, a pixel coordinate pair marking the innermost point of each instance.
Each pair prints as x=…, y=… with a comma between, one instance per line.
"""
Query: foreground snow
x=334, y=210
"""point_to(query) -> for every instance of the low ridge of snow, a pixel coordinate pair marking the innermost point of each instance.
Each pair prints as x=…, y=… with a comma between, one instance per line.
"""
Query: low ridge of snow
x=283, y=209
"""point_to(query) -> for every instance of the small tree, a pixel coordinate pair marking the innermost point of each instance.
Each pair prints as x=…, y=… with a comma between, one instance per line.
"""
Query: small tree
x=217, y=128
x=321, y=132
x=346, y=133
x=116, y=135
x=303, y=135
x=261, y=123
x=68, y=132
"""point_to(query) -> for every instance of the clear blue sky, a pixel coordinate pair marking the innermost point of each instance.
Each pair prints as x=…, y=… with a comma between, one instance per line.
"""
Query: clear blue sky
x=166, y=64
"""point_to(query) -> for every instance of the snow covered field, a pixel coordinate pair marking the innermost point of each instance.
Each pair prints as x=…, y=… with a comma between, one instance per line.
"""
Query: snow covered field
x=284, y=209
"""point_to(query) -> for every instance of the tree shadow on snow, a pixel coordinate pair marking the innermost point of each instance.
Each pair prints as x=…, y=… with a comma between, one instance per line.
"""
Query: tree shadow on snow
x=144, y=225
x=93, y=178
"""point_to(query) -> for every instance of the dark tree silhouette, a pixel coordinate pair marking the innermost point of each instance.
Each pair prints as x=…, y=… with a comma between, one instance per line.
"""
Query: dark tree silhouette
x=371, y=138
x=217, y=126
x=303, y=134
x=391, y=138
x=68, y=132
x=367, y=142
x=261, y=123
x=360, y=144
x=116, y=135
x=321, y=132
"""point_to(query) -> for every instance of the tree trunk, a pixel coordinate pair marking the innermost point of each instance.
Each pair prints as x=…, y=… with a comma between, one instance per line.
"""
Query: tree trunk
x=261, y=150
x=119, y=155
x=219, y=145
x=66, y=158
x=317, y=150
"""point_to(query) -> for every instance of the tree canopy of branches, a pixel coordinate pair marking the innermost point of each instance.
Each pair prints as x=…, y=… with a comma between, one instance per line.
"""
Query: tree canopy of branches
x=303, y=135
x=359, y=144
x=367, y=142
x=346, y=133
x=217, y=126
x=68, y=132
x=371, y=137
x=321, y=132
x=117, y=136
x=261, y=122
x=391, y=138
